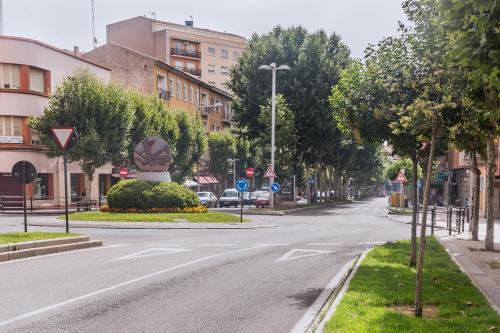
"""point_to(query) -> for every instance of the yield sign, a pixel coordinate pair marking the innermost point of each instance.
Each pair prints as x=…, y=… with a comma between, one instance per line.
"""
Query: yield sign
x=401, y=176
x=300, y=253
x=269, y=172
x=63, y=136
x=156, y=251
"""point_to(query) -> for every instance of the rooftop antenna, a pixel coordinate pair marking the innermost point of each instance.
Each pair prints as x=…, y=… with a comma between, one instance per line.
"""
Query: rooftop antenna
x=1, y=17
x=94, y=38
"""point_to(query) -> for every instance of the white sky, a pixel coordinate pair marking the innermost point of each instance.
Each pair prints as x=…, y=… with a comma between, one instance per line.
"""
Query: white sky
x=64, y=23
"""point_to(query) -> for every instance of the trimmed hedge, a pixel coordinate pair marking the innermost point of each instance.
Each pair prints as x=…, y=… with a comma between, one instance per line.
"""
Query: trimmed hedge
x=142, y=194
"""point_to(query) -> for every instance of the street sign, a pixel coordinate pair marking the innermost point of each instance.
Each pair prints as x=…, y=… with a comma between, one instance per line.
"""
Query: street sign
x=250, y=172
x=275, y=187
x=63, y=136
x=270, y=172
x=401, y=176
x=242, y=185
x=310, y=180
x=24, y=172
x=123, y=172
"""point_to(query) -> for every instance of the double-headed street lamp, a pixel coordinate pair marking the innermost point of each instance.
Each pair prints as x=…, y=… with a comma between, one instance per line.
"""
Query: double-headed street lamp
x=272, y=67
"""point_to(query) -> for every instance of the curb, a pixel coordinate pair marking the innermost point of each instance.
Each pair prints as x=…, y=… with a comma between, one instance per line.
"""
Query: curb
x=418, y=223
x=330, y=308
x=145, y=225
x=462, y=268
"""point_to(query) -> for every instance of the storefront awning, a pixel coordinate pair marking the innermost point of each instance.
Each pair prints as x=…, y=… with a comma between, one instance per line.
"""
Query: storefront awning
x=206, y=180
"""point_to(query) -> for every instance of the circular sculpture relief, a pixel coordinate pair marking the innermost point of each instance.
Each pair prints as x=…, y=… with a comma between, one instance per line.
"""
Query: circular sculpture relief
x=152, y=154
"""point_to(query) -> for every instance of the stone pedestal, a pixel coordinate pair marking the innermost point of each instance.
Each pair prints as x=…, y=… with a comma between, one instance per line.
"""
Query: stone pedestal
x=163, y=177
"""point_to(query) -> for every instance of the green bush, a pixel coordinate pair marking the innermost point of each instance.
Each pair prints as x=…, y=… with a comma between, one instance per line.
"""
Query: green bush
x=143, y=194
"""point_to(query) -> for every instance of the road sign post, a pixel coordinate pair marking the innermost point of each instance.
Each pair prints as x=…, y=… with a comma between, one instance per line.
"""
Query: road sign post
x=241, y=186
x=24, y=172
x=66, y=138
x=271, y=175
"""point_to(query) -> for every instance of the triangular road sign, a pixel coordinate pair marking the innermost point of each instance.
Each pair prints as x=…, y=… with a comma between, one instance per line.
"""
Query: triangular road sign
x=269, y=172
x=62, y=136
x=157, y=251
x=301, y=253
x=401, y=176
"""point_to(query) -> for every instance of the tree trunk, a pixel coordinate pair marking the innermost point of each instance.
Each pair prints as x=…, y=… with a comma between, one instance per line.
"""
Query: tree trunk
x=413, y=256
x=421, y=248
x=489, y=243
x=474, y=224
x=88, y=185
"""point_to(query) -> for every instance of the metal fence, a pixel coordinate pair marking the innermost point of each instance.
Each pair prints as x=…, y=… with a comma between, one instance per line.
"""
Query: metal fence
x=450, y=218
x=33, y=203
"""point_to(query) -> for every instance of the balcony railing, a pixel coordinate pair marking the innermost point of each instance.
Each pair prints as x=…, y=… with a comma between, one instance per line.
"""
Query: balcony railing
x=185, y=53
x=163, y=94
x=193, y=71
x=227, y=117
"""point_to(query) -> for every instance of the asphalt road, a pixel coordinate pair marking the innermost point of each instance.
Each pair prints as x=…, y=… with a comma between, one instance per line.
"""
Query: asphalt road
x=252, y=280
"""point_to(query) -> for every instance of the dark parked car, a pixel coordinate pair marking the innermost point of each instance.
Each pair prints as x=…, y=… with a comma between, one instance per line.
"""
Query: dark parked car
x=262, y=199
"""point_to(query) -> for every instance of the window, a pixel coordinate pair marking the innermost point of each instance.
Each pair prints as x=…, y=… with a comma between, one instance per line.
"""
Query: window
x=191, y=95
x=236, y=55
x=212, y=83
x=211, y=68
x=223, y=54
x=213, y=128
x=10, y=129
x=9, y=76
x=205, y=126
x=171, y=87
x=178, y=90
x=204, y=100
x=224, y=70
x=179, y=64
x=190, y=48
x=161, y=82
x=217, y=108
x=35, y=139
x=178, y=45
x=197, y=97
x=190, y=65
x=36, y=80
x=41, y=186
x=185, y=92
x=211, y=51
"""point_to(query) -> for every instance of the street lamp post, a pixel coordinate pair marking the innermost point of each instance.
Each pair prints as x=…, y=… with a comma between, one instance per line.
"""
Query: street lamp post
x=272, y=67
x=234, y=160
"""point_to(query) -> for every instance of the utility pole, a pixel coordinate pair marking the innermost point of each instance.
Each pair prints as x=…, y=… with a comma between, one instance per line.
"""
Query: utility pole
x=94, y=38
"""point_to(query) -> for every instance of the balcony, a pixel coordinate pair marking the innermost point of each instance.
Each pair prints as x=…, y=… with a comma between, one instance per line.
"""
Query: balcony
x=192, y=71
x=185, y=53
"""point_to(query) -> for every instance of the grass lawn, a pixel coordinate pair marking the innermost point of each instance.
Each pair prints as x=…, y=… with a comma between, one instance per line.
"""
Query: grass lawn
x=153, y=217
x=383, y=290
x=16, y=237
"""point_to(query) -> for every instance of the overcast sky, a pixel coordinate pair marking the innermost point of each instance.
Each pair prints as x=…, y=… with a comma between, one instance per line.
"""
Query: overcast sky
x=64, y=23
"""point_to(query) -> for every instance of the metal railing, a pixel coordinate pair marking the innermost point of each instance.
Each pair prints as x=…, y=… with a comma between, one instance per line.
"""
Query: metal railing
x=448, y=218
x=194, y=71
x=15, y=203
x=185, y=52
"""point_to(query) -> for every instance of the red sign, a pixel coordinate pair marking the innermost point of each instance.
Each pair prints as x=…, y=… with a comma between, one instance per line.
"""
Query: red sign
x=123, y=172
x=62, y=136
x=250, y=172
x=401, y=176
x=270, y=172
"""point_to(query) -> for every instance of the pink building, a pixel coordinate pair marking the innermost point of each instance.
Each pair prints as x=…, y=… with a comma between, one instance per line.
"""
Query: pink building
x=29, y=70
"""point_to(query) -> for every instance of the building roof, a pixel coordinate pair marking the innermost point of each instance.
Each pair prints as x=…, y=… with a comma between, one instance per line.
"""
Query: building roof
x=184, y=26
x=171, y=68
x=66, y=52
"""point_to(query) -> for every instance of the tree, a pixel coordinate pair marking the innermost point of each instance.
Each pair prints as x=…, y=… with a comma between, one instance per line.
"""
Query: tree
x=393, y=169
x=473, y=43
x=184, y=147
x=221, y=147
x=102, y=116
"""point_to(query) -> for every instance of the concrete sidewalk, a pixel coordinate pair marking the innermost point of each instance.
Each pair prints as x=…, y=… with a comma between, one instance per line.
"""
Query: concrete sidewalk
x=483, y=267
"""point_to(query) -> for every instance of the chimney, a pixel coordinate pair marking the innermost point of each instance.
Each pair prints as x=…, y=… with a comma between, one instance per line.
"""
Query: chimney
x=76, y=50
x=189, y=23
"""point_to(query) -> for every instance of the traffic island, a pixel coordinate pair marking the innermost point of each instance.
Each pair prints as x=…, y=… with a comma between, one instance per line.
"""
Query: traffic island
x=380, y=296
x=210, y=217
x=30, y=244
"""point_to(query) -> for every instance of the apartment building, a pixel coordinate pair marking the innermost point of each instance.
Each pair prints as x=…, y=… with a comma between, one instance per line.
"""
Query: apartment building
x=180, y=90
x=29, y=71
x=203, y=53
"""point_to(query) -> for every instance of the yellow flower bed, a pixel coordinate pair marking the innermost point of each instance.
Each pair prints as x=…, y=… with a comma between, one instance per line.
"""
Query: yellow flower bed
x=198, y=209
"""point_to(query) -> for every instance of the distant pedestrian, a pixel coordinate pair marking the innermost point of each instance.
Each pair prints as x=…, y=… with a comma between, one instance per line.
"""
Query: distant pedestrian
x=466, y=203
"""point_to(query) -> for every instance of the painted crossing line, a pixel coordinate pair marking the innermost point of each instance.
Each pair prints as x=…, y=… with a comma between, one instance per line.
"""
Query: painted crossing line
x=323, y=244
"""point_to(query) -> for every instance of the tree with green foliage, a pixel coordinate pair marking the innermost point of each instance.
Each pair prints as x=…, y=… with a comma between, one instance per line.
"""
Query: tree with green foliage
x=406, y=164
x=102, y=116
x=221, y=147
x=182, y=163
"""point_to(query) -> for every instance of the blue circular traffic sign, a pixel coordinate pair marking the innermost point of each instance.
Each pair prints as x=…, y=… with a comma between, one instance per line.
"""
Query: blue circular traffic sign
x=242, y=185
x=275, y=187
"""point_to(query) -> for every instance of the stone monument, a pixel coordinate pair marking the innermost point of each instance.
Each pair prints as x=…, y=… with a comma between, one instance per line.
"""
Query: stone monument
x=153, y=156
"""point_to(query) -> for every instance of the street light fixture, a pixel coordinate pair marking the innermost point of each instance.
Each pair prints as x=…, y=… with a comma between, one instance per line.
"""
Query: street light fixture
x=272, y=67
x=233, y=160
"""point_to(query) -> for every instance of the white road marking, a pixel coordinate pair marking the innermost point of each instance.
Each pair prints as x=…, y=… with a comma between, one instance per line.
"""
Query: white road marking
x=315, y=308
x=322, y=244
x=371, y=243
x=290, y=255
x=163, y=245
x=156, y=251
x=116, y=286
x=215, y=245
x=265, y=244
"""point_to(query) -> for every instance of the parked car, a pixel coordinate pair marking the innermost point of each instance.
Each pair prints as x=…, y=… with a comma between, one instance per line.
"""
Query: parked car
x=262, y=199
x=207, y=199
x=229, y=197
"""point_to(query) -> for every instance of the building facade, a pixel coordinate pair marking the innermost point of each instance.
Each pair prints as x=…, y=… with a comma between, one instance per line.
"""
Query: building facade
x=180, y=91
x=29, y=71
x=203, y=53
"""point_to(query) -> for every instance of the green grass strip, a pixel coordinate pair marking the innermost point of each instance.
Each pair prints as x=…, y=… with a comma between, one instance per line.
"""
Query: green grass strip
x=385, y=280
x=17, y=237
x=215, y=217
